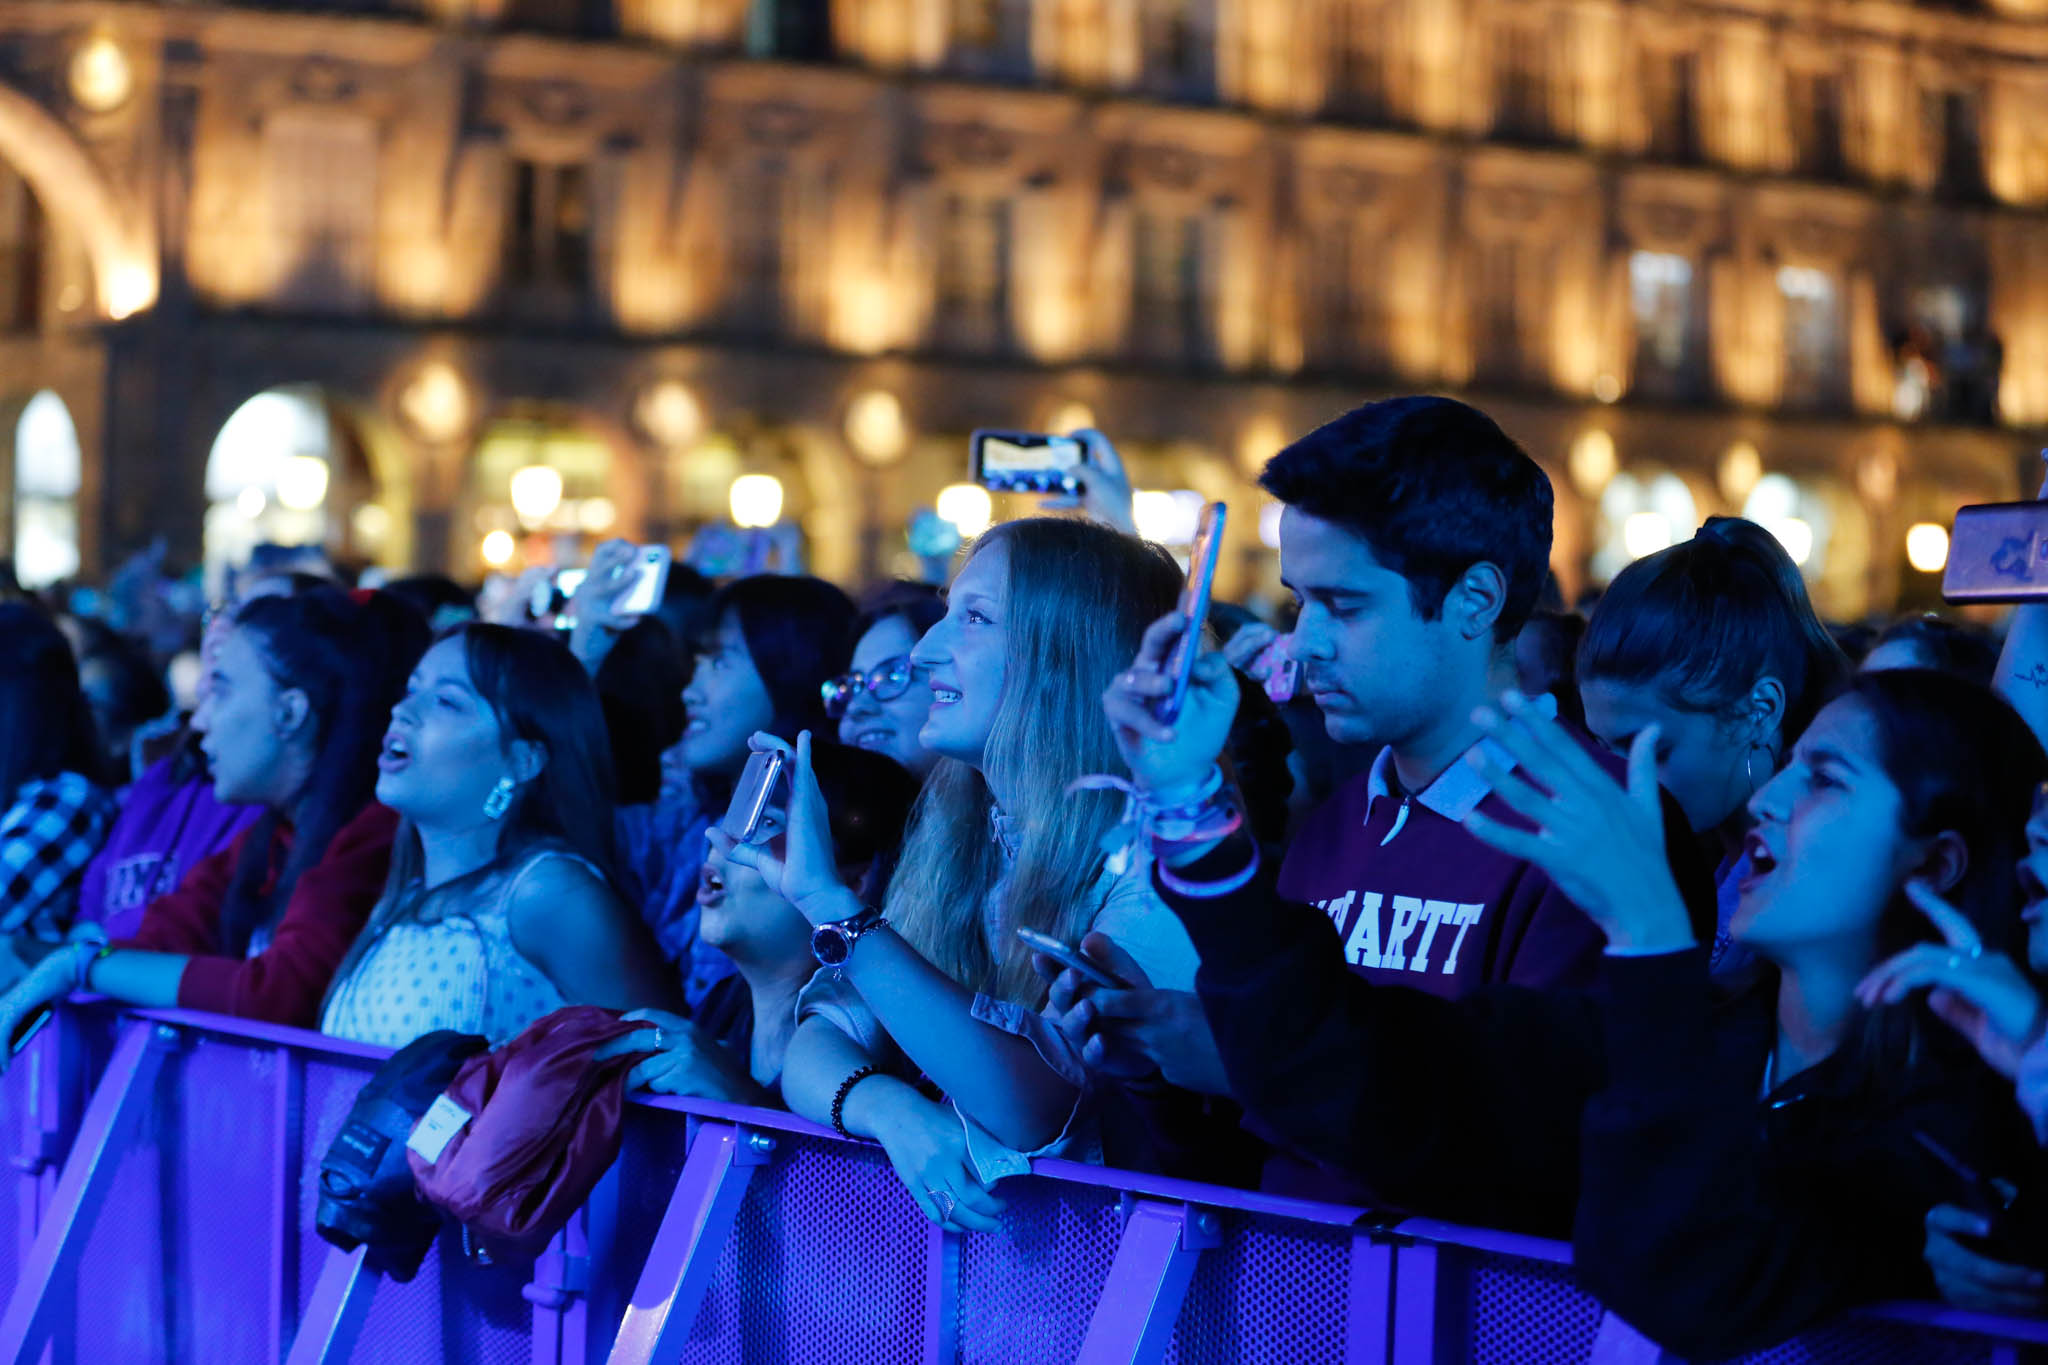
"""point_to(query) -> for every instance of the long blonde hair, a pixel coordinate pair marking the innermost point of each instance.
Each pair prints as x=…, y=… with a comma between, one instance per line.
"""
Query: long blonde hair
x=1080, y=596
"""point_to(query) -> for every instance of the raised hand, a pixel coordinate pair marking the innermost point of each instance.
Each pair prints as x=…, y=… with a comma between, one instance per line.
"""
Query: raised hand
x=1169, y=759
x=806, y=874
x=1602, y=844
x=1133, y=1033
x=1986, y=997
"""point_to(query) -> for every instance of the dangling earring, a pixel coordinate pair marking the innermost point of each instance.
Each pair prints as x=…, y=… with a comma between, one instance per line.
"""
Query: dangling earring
x=500, y=799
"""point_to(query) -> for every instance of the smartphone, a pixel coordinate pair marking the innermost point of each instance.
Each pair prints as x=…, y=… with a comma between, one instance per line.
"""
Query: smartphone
x=647, y=577
x=1998, y=552
x=551, y=595
x=1069, y=956
x=751, y=797
x=1194, y=610
x=1027, y=462
x=2015, y=1221
x=28, y=1028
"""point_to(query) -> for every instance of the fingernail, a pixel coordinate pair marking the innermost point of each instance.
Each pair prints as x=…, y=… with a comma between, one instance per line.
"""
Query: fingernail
x=1485, y=717
x=1511, y=701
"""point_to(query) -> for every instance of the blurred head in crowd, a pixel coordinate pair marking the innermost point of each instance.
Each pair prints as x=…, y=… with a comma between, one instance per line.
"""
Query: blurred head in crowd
x=1416, y=537
x=441, y=602
x=685, y=606
x=868, y=797
x=1715, y=642
x=1546, y=660
x=297, y=696
x=640, y=684
x=123, y=689
x=499, y=727
x=880, y=703
x=774, y=642
x=1908, y=774
x=1038, y=620
x=46, y=725
x=1938, y=643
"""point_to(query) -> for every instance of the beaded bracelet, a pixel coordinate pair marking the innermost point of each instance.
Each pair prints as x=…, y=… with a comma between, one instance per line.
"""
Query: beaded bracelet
x=1212, y=814
x=845, y=1088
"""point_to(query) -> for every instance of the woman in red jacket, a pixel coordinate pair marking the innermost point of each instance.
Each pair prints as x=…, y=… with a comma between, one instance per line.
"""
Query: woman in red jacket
x=297, y=697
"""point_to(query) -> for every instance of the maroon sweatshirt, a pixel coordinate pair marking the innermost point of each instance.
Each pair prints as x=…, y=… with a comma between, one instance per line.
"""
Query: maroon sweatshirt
x=1419, y=901
x=284, y=983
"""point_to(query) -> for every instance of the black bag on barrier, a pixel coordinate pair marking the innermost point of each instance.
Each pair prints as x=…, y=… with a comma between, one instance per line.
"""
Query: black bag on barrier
x=366, y=1185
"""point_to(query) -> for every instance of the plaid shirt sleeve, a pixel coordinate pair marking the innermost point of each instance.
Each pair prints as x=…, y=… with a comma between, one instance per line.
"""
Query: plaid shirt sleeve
x=47, y=837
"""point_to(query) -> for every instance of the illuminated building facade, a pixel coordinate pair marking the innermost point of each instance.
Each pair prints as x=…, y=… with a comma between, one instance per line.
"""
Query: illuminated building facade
x=1777, y=258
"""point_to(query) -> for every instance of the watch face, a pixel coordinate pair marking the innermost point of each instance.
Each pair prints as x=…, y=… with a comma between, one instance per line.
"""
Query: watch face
x=829, y=945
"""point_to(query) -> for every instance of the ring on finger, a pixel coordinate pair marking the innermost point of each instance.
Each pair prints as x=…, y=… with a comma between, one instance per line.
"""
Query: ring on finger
x=660, y=1039
x=946, y=1202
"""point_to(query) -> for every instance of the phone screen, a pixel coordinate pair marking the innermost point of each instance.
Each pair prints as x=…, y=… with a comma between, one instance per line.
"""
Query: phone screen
x=751, y=797
x=1027, y=462
x=1194, y=610
x=649, y=577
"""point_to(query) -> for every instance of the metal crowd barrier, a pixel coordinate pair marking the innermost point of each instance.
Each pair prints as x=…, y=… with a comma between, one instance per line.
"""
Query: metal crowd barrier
x=162, y=1175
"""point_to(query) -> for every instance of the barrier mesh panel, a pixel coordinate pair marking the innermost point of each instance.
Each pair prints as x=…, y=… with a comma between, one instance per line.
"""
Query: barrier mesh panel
x=220, y=1149
x=826, y=1264
x=17, y=1197
x=1027, y=1292
x=650, y=1160
x=122, y=1316
x=1520, y=1311
x=325, y=1094
x=1266, y=1297
x=1859, y=1343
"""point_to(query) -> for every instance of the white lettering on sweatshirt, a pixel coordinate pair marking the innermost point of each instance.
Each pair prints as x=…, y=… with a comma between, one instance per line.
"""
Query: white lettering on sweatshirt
x=1366, y=946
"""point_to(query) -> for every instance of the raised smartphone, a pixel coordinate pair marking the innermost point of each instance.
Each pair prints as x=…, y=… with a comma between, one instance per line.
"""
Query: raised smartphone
x=1194, y=610
x=751, y=797
x=1027, y=462
x=649, y=575
x=1998, y=552
x=25, y=1032
x=1069, y=956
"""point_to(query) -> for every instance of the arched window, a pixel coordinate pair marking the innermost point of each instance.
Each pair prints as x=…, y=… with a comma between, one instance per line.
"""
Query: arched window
x=268, y=475
x=46, y=474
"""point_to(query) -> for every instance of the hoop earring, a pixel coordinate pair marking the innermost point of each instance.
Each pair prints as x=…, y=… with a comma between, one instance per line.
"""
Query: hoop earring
x=500, y=799
x=1749, y=767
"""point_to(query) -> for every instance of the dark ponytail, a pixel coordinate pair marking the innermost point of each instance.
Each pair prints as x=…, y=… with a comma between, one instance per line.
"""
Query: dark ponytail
x=1703, y=621
x=350, y=655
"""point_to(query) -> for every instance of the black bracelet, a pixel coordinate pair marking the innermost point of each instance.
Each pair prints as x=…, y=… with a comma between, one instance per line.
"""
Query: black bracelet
x=845, y=1088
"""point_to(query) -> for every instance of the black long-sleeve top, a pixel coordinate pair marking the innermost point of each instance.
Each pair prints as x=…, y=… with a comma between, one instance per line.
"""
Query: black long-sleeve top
x=1629, y=1117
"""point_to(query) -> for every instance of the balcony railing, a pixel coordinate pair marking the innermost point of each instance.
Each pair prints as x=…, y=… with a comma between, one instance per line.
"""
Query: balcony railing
x=164, y=1213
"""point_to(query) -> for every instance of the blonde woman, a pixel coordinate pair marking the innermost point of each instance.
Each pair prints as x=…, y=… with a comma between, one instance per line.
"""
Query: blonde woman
x=1039, y=619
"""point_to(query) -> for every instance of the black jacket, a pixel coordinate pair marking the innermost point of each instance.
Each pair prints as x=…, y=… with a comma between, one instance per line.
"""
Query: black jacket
x=1710, y=1220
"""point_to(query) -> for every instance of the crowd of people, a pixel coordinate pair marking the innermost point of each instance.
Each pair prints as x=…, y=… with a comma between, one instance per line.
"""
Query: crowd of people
x=1686, y=927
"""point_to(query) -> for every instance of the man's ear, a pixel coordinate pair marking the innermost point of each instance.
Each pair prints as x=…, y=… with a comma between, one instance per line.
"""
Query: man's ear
x=1477, y=599
x=529, y=757
x=294, y=708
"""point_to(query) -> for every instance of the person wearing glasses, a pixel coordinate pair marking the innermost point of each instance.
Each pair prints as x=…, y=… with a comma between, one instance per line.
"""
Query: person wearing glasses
x=876, y=704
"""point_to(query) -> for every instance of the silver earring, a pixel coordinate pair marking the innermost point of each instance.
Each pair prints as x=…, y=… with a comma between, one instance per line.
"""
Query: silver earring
x=1749, y=767
x=500, y=799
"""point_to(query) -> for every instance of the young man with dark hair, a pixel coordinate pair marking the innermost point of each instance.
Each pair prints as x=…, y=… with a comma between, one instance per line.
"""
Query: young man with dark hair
x=1416, y=538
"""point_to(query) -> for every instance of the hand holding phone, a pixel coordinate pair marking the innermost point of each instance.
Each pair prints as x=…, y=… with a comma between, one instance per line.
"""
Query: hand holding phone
x=646, y=578
x=1069, y=956
x=1194, y=610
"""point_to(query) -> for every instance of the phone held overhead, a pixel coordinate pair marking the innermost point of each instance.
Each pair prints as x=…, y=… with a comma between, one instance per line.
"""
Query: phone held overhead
x=1028, y=462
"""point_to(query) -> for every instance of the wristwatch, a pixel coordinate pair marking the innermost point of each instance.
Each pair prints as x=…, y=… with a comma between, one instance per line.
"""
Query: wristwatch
x=832, y=942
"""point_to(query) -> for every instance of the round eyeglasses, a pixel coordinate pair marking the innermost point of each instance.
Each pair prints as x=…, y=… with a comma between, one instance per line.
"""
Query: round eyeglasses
x=887, y=680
